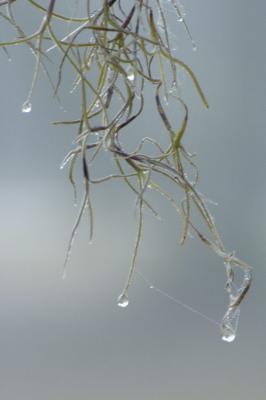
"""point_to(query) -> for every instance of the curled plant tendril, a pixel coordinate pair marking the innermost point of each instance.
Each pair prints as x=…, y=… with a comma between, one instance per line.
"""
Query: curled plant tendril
x=129, y=47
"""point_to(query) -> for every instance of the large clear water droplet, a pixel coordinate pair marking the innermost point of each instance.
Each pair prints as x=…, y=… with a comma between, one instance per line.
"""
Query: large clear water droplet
x=123, y=300
x=26, y=107
x=229, y=336
x=230, y=324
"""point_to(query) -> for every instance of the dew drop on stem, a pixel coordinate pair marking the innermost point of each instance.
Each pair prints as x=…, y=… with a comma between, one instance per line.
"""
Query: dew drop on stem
x=26, y=107
x=229, y=336
x=123, y=300
x=194, y=45
x=230, y=324
x=130, y=74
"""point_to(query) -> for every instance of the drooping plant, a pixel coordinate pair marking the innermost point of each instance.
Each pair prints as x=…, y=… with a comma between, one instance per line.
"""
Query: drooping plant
x=127, y=45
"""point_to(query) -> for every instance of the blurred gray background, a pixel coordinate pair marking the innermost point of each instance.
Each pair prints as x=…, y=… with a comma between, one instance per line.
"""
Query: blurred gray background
x=68, y=339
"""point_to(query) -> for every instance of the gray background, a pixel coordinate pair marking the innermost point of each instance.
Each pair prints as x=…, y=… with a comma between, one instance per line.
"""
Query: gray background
x=68, y=339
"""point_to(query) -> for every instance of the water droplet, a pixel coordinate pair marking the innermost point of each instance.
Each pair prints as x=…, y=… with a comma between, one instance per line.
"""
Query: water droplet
x=97, y=104
x=247, y=276
x=151, y=287
x=194, y=46
x=26, y=107
x=138, y=94
x=230, y=324
x=228, y=336
x=173, y=88
x=123, y=300
x=130, y=74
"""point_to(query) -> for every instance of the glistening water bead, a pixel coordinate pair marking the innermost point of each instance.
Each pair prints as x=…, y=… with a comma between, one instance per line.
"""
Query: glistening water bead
x=26, y=107
x=130, y=74
x=229, y=336
x=123, y=300
x=230, y=324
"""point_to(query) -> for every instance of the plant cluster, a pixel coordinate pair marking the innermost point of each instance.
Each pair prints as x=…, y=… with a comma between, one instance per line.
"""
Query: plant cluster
x=128, y=47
